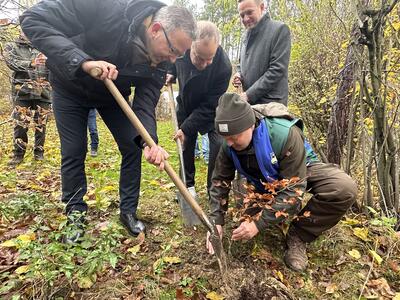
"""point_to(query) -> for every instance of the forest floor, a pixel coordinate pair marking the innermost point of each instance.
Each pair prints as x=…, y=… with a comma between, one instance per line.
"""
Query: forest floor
x=357, y=259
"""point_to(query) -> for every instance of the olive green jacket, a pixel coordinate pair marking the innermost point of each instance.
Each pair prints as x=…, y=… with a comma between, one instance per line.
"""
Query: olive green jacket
x=292, y=163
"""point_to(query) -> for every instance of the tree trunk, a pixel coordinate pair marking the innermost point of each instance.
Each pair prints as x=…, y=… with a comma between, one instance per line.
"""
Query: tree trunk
x=350, y=135
x=367, y=165
x=340, y=114
x=373, y=30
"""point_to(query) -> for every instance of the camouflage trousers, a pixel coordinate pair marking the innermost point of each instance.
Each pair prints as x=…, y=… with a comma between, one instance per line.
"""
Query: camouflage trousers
x=26, y=111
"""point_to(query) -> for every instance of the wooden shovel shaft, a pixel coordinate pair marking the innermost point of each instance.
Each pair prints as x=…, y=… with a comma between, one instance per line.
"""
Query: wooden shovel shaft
x=150, y=142
x=176, y=128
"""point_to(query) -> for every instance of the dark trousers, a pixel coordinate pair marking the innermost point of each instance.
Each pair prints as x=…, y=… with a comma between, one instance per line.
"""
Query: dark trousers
x=71, y=115
x=333, y=193
x=22, y=114
x=92, y=126
x=188, y=156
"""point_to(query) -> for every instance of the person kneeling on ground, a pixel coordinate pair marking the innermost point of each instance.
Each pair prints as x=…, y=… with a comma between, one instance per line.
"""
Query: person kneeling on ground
x=264, y=144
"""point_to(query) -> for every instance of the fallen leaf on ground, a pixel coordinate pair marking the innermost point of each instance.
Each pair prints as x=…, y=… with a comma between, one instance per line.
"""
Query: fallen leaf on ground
x=376, y=256
x=102, y=226
x=108, y=188
x=22, y=270
x=180, y=295
x=279, y=275
x=140, y=238
x=157, y=263
x=394, y=266
x=8, y=244
x=172, y=260
x=214, y=296
x=299, y=283
x=361, y=233
x=134, y=250
x=355, y=254
x=21, y=240
x=341, y=260
x=350, y=222
x=382, y=286
x=13, y=233
x=154, y=182
x=85, y=282
x=168, y=186
x=137, y=293
x=331, y=288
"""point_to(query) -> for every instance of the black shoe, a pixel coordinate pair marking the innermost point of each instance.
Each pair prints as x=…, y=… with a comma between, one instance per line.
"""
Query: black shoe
x=16, y=160
x=39, y=156
x=75, y=227
x=132, y=224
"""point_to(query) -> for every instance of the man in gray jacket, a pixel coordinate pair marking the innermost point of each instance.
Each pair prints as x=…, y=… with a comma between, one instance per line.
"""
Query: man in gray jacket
x=264, y=58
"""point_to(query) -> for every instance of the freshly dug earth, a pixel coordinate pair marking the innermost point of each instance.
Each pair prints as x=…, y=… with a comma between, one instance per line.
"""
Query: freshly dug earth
x=248, y=277
x=254, y=284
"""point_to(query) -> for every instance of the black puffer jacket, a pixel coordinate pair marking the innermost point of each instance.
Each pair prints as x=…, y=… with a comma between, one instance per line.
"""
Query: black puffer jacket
x=70, y=32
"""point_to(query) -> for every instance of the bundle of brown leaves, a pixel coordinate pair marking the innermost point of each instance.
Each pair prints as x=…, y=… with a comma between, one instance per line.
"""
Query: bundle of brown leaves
x=254, y=203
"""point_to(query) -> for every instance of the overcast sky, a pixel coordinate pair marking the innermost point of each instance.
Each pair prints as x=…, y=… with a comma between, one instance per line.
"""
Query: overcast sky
x=198, y=3
x=9, y=11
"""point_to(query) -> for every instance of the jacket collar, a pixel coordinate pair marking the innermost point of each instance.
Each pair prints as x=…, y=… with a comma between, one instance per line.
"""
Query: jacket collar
x=137, y=11
x=260, y=24
x=139, y=44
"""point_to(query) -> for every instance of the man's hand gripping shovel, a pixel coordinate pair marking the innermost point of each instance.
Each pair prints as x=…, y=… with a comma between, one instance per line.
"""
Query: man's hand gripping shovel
x=214, y=238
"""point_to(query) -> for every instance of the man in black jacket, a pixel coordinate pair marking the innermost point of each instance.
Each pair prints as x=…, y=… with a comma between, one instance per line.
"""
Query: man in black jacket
x=264, y=55
x=203, y=74
x=128, y=41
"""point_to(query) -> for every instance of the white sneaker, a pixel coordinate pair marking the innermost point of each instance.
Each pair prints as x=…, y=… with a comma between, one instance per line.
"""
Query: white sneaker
x=192, y=192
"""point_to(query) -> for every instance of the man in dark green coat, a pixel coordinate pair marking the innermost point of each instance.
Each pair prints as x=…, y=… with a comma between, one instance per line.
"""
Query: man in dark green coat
x=265, y=144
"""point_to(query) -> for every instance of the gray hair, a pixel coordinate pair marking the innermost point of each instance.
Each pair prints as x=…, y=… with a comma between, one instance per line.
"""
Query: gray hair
x=207, y=30
x=175, y=17
x=258, y=2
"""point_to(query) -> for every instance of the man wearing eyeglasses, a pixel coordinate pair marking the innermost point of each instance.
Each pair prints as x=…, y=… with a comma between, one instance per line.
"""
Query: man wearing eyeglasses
x=129, y=41
x=203, y=74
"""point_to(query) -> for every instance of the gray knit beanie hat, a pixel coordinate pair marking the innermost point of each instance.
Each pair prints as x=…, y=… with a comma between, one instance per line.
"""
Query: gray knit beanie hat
x=233, y=115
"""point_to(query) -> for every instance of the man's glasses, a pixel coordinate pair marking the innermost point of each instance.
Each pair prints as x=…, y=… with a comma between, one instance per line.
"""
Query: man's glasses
x=171, y=48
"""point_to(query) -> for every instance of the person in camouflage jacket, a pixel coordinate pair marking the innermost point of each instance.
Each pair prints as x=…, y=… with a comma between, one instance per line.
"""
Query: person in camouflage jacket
x=30, y=92
x=266, y=145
